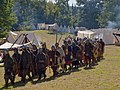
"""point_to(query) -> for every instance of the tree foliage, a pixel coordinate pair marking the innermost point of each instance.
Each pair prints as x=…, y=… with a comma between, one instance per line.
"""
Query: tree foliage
x=87, y=13
x=6, y=14
x=7, y=18
x=110, y=13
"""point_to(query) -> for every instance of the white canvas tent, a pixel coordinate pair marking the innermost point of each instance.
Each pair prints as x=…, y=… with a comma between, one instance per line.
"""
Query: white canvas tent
x=102, y=33
x=8, y=45
x=105, y=34
x=52, y=26
x=33, y=27
x=20, y=36
x=60, y=29
x=86, y=33
x=64, y=29
x=68, y=29
x=41, y=26
x=72, y=30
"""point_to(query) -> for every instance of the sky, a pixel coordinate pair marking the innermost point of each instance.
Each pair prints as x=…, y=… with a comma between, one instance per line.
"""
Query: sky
x=70, y=2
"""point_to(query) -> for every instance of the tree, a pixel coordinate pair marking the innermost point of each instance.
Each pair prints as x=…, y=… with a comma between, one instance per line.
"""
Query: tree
x=110, y=13
x=52, y=12
x=89, y=10
x=7, y=17
x=24, y=13
x=40, y=10
x=64, y=15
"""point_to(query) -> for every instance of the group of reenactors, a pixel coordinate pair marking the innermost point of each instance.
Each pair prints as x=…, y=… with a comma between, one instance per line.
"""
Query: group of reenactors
x=32, y=62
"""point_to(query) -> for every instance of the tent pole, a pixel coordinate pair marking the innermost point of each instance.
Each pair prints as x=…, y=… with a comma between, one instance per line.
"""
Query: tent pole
x=116, y=37
x=15, y=41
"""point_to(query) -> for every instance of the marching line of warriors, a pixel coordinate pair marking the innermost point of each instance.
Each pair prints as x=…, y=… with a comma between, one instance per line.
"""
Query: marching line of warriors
x=74, y=53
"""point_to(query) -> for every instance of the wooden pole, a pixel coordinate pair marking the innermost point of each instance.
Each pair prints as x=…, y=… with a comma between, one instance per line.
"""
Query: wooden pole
x=56, y=36
x=116, y=37
x=15, y=41
x=60, y=39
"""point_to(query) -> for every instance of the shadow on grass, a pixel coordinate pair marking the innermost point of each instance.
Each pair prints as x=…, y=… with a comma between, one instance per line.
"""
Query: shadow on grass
x=51, y=78
x=75, y=70
x=4, y=88
x=54, y=32
x=17, y=84
x=95, y=64
x=51, y=33
x=89, y=68
x=44, y=80
x=21, y=84
x=103, y=58
x=100, y=59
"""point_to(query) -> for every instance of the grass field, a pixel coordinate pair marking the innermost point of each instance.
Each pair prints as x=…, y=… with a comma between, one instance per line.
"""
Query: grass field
x=104, y=76
x=50, y=39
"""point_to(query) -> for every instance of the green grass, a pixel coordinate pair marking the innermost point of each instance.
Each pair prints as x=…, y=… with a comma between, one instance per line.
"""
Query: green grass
x=49, y=38
x=105, y=76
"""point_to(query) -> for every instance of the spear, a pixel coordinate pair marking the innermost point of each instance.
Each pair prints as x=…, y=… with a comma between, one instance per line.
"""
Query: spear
x=60, y=39
x=56, y=36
